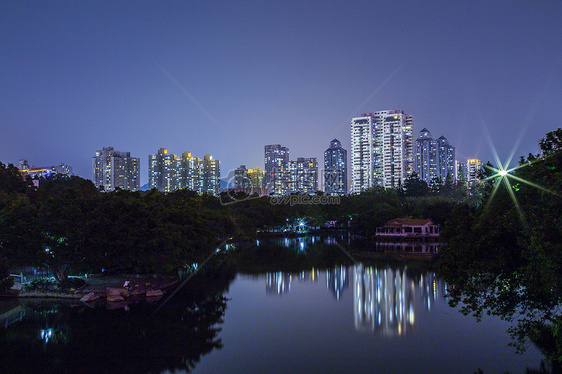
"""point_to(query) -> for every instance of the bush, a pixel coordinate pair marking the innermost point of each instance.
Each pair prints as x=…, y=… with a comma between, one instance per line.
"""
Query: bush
x=5, y=281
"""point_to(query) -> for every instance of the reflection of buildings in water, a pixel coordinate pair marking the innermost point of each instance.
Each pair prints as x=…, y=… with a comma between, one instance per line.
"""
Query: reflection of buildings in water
x=277, y=283
x=431, y=288
x=309, y=275
x=337, y=280
x=415, y=247
x=383, y=300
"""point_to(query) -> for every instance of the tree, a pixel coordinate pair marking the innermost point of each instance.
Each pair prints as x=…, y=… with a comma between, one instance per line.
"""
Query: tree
x=414, y=186
x=504, y=257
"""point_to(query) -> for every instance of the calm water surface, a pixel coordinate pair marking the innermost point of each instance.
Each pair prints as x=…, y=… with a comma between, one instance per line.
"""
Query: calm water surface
x=356, y=319
x=332, y=317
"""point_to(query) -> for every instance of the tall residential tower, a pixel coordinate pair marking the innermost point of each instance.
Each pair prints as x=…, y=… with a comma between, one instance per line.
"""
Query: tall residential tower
x=276, y=160
x=112, y=169
x=168, y=172
x=382, y=149
x=335, y=169
x=434, y=158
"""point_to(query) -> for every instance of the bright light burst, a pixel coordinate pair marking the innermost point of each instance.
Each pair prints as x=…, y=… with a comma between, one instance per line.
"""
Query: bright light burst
x=503, y=174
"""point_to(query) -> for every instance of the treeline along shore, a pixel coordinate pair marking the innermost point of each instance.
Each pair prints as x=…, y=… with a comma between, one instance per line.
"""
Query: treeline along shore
x=504, y=235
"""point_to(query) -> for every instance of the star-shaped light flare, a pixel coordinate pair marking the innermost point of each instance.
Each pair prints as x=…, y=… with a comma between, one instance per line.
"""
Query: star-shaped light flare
x=504, y=174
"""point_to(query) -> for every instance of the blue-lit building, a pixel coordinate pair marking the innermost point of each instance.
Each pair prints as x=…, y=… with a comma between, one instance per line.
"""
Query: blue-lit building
x=434, y=158
x=335, y=169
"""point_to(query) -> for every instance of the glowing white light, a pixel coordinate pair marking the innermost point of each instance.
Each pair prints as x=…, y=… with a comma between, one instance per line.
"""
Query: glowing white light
x=502, y=173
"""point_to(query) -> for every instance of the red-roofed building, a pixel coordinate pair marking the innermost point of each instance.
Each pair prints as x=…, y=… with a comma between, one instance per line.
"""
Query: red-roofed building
x=409, y=228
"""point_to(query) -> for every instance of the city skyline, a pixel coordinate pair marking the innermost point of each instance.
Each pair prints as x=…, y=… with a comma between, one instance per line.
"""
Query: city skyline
x=224, y=79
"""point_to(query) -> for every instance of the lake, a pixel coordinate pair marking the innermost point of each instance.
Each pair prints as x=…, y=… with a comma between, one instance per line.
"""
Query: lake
x=281, y=309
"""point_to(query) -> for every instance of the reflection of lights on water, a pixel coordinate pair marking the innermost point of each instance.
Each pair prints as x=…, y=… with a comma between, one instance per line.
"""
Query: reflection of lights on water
x=46, y=334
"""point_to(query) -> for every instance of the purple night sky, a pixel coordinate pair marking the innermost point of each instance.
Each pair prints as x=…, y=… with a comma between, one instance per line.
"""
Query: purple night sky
x=76, y=76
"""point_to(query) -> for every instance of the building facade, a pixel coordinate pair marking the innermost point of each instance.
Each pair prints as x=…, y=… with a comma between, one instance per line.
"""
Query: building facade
x=256, y=176
x=302, y=176
x=382, y=149
x=283, y=176
x=446, y=157
x=112, y=169
x=365, y=162
x=473, y=171
x=248, y=178
x=426, y=165
x=434, y=158
x=42, y=171
x=276, y=160
x=335, y=169
x=211, y=175
x=168, y=172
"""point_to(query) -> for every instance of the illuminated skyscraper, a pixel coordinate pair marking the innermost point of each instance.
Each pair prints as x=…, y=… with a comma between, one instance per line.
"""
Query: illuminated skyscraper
x=365, y=156
x=256, y=176
x=426, y=165
x=241, y=178
x=168, y=172
x=302, y=175
x=112, y=169
x=276, y=161
x=446, y=157
x=162, y=169
x=335, y=169
x=382, y=149
x=473, y=171
x=211, y=175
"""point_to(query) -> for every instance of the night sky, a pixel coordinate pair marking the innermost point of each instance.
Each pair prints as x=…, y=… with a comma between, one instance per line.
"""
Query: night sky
x=228, y=77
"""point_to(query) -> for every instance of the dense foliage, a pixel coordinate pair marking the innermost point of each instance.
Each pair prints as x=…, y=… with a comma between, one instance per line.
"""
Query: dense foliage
x=504, y=257
x=504, y=236
x=67, y=224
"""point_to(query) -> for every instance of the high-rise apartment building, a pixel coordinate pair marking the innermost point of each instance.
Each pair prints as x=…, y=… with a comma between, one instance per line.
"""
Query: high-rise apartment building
x=241, y=178
x=434, y=158
x=302, y=176
x=446, y=157
x=283, y=176
x=426, y=165
x=397, y=146
x=162, y=171
x=211, y=175
x=473, y=171
x=112, y=169
x=190, y=172
x=365, y=162
x=382, y=149
x=256, y=176
x=168, y=172
x=248, y=178
x=335, y=169
x=276, y=161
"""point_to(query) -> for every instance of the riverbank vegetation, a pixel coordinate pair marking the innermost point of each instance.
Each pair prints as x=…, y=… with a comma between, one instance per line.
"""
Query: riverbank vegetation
x=504, y=235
